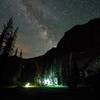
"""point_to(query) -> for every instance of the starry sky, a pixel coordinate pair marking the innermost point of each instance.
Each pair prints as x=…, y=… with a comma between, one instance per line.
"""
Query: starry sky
x=42, y=23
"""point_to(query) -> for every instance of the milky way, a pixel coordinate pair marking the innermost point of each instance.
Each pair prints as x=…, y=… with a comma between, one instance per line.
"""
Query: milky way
x=42, y=23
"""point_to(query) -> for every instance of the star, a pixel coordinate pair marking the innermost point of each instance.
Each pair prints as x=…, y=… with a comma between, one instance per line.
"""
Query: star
x=42, y=23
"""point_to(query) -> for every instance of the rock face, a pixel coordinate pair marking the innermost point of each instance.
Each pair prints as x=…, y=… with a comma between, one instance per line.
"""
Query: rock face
x=82, y=37
x=75, y=57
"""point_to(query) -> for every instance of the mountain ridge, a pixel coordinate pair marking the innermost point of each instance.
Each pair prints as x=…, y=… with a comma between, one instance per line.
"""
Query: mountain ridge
x=89, y=25
x=74, y=60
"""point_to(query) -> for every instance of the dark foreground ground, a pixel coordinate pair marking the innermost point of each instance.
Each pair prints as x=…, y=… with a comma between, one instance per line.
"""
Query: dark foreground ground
x=48, y=93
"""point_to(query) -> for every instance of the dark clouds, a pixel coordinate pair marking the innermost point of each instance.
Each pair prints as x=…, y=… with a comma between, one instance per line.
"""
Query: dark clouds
x=42, y=23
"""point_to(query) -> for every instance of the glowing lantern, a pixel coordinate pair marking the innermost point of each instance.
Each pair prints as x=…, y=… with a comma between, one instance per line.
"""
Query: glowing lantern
x=27, y=85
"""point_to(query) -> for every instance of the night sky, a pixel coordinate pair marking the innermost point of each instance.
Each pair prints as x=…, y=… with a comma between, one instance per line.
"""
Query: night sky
x=42, y=23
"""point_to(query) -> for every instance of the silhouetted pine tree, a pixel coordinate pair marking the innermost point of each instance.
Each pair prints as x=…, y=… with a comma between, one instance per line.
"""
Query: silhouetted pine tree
x=16, y=52
x=7, y=39
x=21, y=54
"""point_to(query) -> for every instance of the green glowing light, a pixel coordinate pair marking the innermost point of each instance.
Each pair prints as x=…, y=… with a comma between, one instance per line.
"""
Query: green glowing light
x=56, y=86
x=49, y=80
x=48, y=84
x=52, y=83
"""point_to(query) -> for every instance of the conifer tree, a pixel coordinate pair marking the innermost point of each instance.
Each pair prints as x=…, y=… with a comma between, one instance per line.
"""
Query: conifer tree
x=7, y=39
